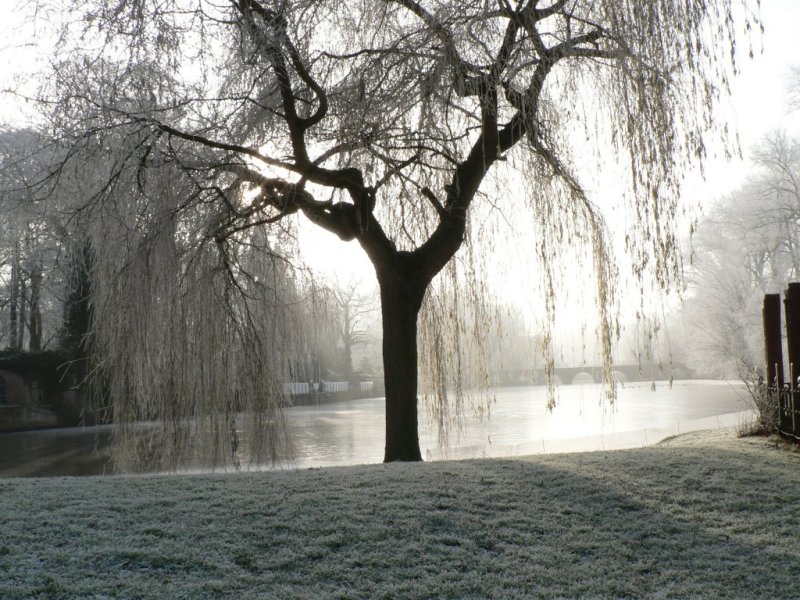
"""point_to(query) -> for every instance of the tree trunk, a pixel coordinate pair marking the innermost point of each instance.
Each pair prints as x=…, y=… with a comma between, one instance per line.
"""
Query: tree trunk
x=403, y=278
x=400, y=304
x=35, y=320
x=347, y=359
x=21, y=307
x=13, y=329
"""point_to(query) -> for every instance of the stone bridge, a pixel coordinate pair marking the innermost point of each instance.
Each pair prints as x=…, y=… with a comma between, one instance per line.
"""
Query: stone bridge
x=584, y=374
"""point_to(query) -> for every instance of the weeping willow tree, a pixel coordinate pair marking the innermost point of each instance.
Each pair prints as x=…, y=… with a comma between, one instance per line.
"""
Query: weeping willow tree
x=389, y=123
x=189, y=328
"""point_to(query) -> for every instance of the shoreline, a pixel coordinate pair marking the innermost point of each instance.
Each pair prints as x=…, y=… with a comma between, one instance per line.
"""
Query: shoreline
x=91, y=455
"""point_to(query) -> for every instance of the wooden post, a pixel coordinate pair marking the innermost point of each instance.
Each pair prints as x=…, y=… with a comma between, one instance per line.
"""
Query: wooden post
x=772, y=340
x=792, y=306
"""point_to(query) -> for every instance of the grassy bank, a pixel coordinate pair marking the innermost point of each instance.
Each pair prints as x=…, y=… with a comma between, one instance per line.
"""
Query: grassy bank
x=704, y=516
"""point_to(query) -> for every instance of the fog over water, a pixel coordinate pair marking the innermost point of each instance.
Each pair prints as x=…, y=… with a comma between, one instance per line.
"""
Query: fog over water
x=352, y=432
x=520, y=423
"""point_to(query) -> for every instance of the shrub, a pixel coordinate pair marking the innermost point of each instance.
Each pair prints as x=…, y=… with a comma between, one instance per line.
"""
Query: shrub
x=766, y=403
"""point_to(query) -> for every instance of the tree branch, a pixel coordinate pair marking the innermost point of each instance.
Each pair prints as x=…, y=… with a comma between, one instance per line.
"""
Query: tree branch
x=426, y=191
x=204, y=141
x=461, y=68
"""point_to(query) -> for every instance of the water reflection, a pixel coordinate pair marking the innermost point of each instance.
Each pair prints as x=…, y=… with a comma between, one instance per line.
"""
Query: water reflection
x=74, y=451
x=352, y=432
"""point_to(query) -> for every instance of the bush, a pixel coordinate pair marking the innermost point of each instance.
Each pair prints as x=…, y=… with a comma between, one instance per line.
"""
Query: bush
x=766, y=403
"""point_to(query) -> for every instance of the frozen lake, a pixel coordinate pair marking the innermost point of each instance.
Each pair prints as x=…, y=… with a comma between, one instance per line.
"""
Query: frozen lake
x=352, y=432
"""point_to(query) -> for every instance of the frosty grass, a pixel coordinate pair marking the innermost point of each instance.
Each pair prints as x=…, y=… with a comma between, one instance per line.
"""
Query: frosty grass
x=701, y=516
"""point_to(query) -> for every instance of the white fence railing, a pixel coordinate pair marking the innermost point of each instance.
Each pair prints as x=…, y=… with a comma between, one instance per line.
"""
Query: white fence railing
x=296, y=389
x=335, y=386
x=302, y=388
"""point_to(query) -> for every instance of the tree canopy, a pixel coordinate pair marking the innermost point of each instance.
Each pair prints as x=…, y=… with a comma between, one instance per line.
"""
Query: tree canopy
x=194, y=131
x=747, y=245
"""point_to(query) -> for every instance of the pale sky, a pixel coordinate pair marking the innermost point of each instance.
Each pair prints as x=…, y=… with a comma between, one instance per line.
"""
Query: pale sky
x=759, y=93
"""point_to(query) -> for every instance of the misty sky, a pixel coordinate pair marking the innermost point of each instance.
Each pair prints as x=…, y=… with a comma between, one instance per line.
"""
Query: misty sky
x=757, y=107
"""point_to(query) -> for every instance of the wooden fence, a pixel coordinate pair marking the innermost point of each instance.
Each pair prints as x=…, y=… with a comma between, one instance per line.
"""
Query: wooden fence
x=787, y=388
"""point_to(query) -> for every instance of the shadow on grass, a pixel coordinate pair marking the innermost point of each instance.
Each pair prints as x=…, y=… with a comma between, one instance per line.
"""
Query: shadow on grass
x=656, y=522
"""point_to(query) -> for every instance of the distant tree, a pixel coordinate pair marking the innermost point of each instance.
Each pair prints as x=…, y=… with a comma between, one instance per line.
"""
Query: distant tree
x=513, y=346
x=746, y=246
x=386, y=123
x=318, y=322
x=353, y=308
x=30, y=244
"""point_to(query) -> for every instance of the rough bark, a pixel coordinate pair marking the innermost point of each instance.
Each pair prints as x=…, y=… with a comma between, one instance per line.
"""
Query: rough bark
x=35, y=321
x=22, y=316
x=401, y=298
x=13, y=329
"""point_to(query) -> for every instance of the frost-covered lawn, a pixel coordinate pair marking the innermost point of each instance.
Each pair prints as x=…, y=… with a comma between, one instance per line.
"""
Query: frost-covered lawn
x=706, y=516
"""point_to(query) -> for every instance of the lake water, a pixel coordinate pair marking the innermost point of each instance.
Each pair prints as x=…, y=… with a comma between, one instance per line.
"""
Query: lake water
x=352, y=432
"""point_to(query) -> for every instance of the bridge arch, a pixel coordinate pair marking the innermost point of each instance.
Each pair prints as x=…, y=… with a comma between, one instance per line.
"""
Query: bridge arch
x=583, y=378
